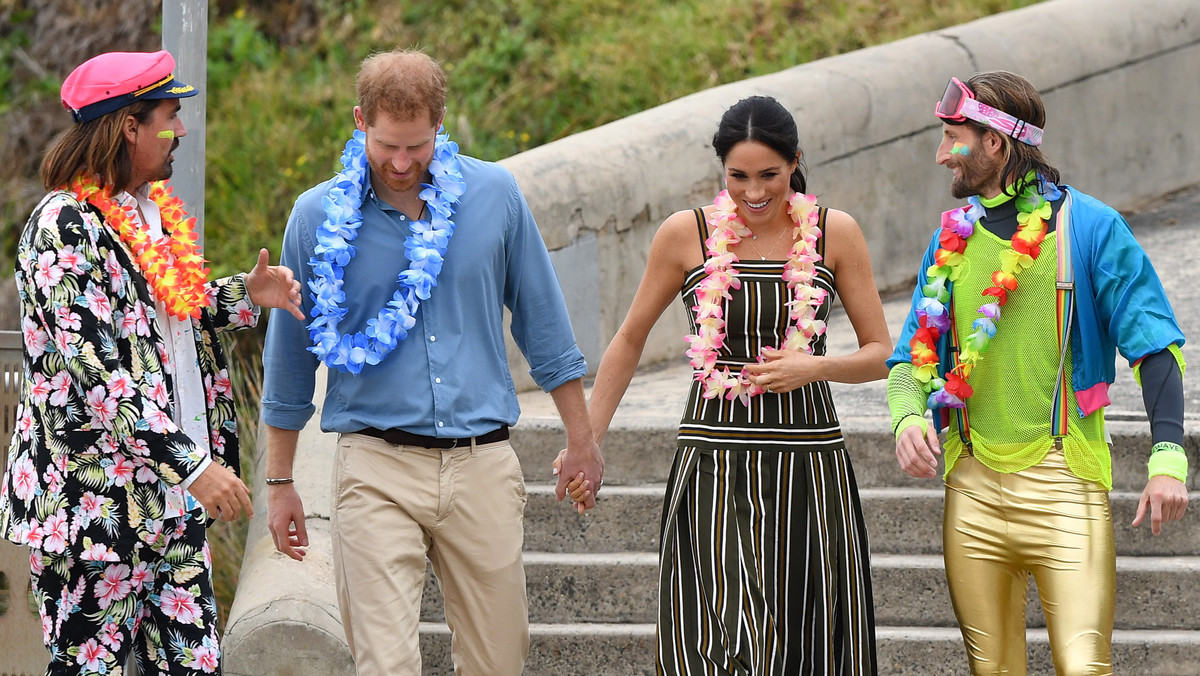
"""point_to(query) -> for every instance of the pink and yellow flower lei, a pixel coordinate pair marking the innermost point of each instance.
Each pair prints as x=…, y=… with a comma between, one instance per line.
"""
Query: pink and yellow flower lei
x=172, y=264
x=933, y=312
x=799, y=272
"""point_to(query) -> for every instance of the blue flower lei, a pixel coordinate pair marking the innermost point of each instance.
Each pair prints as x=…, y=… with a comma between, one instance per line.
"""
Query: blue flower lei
x=425, y=249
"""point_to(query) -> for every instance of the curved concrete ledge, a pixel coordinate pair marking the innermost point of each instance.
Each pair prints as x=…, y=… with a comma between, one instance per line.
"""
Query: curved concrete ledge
x=1118, y=79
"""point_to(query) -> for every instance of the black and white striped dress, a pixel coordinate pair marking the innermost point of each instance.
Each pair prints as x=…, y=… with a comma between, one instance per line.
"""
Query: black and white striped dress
x=765, y=566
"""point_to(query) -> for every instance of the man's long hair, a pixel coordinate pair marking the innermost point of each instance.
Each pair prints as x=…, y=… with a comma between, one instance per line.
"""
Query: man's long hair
x=95, y=149
x=1016, y=96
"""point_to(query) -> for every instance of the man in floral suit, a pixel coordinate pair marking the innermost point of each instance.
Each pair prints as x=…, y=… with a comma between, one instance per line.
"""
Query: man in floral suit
x=126, y=442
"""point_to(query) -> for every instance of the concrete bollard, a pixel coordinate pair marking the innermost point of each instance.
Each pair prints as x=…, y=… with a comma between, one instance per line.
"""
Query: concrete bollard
x=284, y=620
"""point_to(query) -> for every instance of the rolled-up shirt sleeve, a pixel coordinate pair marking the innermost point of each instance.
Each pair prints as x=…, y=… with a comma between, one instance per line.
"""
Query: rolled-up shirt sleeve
x=541, y=326
x=289, y=369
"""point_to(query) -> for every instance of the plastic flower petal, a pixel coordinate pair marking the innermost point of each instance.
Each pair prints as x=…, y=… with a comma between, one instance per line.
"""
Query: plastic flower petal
x=1013, y=262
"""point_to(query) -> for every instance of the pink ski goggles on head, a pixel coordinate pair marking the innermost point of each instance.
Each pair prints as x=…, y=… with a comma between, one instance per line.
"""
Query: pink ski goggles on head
x=958, y=104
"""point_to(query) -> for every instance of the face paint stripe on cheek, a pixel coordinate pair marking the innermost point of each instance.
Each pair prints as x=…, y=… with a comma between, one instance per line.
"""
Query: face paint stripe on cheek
x=166, y=133
x=960, y=149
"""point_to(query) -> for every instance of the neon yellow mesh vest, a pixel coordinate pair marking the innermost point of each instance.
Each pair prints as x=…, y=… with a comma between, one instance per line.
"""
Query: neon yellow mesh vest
x=1014, y=382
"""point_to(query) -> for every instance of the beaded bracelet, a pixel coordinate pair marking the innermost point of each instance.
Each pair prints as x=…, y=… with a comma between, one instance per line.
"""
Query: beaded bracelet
x=1167, y=458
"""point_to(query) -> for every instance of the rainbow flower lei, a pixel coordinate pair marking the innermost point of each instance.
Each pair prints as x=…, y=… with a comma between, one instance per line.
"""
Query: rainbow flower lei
x=933, y=314
x=713, y=290
x=425, y=249
x=171, y=264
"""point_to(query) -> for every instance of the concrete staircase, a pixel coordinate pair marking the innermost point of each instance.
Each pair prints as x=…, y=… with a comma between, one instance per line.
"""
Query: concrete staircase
x=592, y=578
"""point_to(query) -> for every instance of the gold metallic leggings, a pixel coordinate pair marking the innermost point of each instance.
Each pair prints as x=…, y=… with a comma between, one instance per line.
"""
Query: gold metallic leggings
x=1001, y=528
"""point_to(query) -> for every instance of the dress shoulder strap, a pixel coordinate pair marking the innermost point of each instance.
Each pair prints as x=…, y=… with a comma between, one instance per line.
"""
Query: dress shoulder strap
x=702, y=228
x=821, y=213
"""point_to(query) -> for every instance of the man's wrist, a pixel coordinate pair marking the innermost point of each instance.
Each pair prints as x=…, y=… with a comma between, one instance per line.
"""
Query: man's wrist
x=911, y=420
x=1168, y=459
x=280, y=481
x=581, y=441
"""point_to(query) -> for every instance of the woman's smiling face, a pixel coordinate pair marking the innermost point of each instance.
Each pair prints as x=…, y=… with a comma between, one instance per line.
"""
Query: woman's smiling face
x=759, y=181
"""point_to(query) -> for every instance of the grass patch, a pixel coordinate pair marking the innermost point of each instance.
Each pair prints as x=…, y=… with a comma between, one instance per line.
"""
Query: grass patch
x=522, y=73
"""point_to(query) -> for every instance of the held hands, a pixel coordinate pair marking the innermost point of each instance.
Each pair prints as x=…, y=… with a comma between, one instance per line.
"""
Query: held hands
x=578, y=487
x=222, y=493
x=784, y=370
x=274, y=286
x=916, y=451
x=285, y=516
x=1167, y=499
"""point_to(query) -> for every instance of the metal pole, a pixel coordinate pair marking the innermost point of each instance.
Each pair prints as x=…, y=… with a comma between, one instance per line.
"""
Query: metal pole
x=185, y=35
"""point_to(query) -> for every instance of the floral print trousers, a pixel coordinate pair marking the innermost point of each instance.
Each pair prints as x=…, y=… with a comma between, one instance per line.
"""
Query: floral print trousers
x=157, y=601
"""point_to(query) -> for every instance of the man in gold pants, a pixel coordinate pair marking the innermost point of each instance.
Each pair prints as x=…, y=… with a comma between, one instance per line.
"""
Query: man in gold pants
x=1023, y=298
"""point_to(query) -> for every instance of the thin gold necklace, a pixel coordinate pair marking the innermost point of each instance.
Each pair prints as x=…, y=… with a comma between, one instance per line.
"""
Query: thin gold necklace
x=778, y=239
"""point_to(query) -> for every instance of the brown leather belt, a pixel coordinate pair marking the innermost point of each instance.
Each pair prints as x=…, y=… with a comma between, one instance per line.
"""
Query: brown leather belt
x=402, y=438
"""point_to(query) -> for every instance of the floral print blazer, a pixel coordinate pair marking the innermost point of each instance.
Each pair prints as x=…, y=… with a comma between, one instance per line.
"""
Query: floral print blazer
x=96, y=456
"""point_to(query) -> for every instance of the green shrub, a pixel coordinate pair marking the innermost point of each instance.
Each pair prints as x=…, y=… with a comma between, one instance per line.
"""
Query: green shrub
x=522, y=73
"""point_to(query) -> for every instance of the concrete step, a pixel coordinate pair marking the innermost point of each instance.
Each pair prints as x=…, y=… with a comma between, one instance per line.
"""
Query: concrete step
x=909, y=521
x=626, y=519
x=641, y=451
x=1152, y=592
x=909, y=590
x=558, y=649
x=628, y=650
x=577, y=588
x=899, y=521
x=935, y=651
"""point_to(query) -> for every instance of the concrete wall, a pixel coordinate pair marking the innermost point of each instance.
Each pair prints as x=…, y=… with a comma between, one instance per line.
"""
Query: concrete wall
x=1118, y=77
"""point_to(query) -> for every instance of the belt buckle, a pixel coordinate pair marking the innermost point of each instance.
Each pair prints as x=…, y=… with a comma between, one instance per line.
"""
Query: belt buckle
x=453, y=444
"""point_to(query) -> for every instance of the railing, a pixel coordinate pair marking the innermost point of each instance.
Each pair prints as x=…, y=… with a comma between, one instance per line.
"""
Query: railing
x=20, y=627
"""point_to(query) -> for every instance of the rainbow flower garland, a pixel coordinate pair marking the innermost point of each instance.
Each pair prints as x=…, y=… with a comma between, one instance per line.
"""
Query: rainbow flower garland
x=933, y=314
x=425, y=249
x=713, y=290
x=171, y=264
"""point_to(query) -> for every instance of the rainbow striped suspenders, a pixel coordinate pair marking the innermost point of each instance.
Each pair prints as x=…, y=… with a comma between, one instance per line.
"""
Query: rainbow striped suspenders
x=1064, y=311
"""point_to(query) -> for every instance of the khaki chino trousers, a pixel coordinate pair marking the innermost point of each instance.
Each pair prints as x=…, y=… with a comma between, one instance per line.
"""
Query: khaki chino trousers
x=463, y=509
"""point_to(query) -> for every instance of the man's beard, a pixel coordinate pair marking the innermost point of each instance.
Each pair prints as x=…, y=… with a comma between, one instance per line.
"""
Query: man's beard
x=974, y=174
x=168, y=167
x=378, y=172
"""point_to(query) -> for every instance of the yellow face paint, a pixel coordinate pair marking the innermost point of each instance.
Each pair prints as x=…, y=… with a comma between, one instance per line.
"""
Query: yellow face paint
x=166, y=133
x=960, y=149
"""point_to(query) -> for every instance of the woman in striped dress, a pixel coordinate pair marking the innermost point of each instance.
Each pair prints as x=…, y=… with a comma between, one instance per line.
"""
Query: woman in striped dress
x=764, y=564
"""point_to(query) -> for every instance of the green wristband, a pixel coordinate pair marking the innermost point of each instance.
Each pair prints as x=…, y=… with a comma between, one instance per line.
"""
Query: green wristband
x=1165, y=460
x=911, y=420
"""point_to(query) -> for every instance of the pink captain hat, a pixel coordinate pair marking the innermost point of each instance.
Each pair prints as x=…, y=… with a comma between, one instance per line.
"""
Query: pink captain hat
x=114, y=80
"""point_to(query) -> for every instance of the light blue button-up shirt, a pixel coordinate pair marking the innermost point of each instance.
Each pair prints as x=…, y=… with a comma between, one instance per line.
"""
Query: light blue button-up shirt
x=449, y=377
